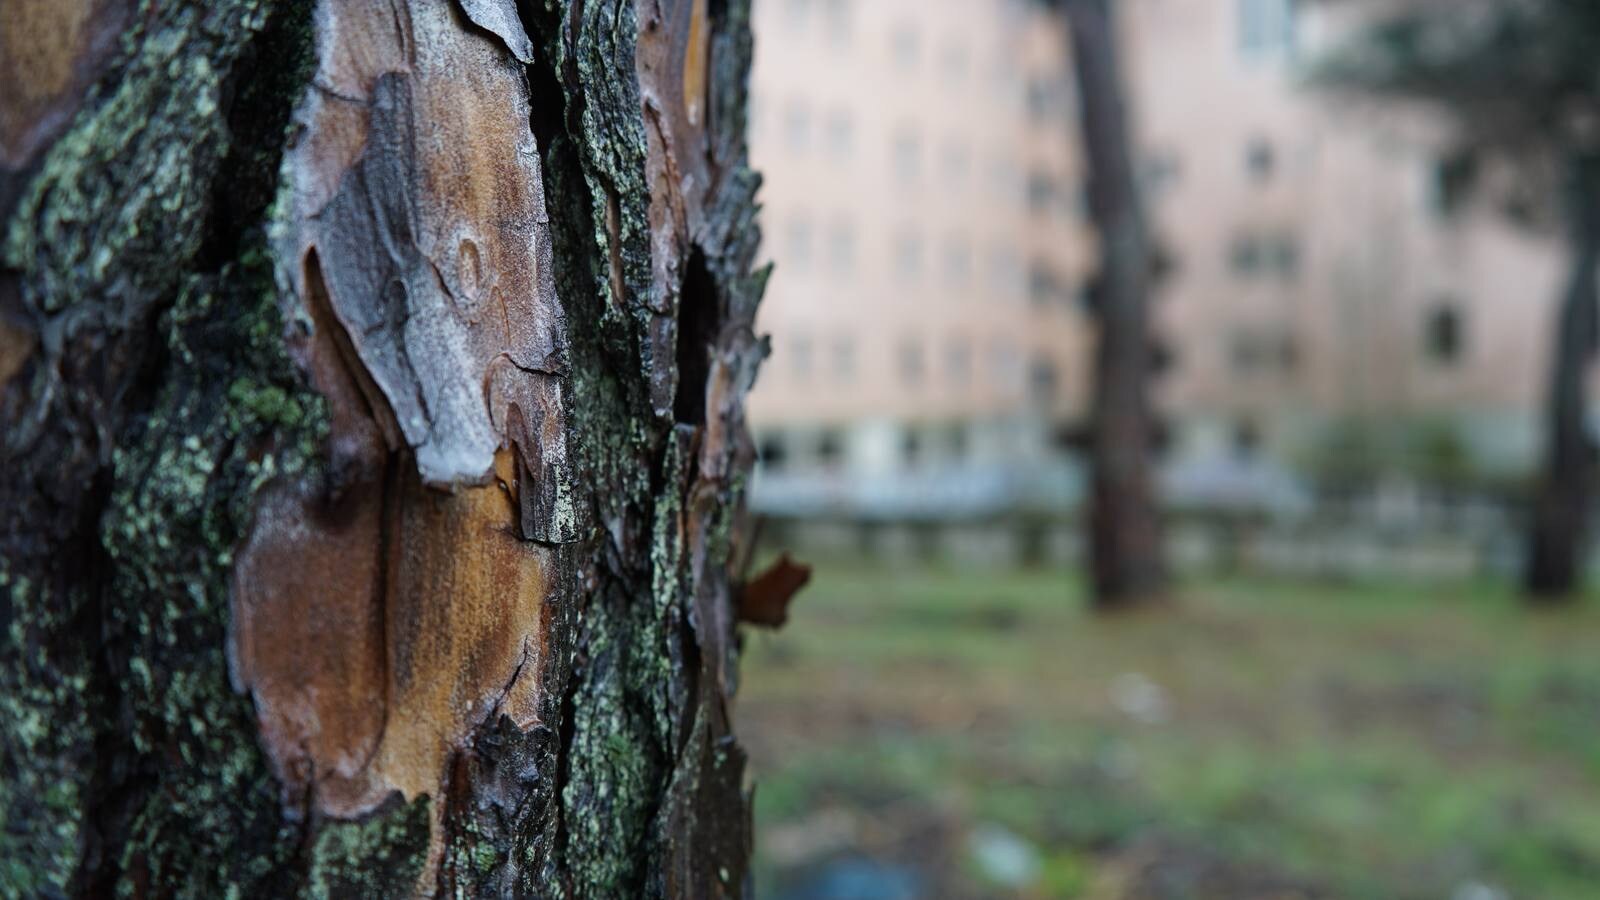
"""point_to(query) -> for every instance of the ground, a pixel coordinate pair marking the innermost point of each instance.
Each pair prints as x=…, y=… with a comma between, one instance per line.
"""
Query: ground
x=925, y=731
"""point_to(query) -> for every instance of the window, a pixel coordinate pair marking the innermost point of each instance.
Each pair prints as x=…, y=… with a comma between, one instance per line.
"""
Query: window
x=908, y=255
x=910, y=362
x=910, y=445
x=956, y=441
x=842, y=247
x=1286, y=256
x=1259, y=160
x=1005, y=273
x=1246, y=353
x=1003, y=177
x=774, y=451
x=1246, y=437
x=797, y=126
x=1266, y=27
x=841, y=134
x=1043, y=381
x=1452, y=181
x=1086, y=297
x=956, y=161
x=907, y=154
x=844, y=359
x=1038, y=101
x=1245, y=255
x=957, y=261
x=1003, y=366
x=1044, y=285
x=1288, y=353
x=837, y=20
x=1250, y=352
x=1041, y=193
x=1161, y=171
x=953, y=61
x=1046, y=100
x=800, y=358
x=1444, y=333
x=1251, y=255
x=958, y=362
x=798, y=243
x=905, y=45
x=830, y=448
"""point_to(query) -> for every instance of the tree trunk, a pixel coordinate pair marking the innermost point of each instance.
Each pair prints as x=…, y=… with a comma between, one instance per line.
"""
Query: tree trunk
x=373, y=378
x=1561, y=508
x=1124, y=524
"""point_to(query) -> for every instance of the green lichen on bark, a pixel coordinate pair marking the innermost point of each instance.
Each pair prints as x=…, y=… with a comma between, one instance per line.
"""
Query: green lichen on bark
x=381, y=856
x=616, y=758
x=231, y=418
x=633, y=691
x=133, y=766
x=47, y=736
x=162, y=378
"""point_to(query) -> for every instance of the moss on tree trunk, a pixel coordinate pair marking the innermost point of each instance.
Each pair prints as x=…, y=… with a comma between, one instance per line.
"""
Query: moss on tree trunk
x=158, y=391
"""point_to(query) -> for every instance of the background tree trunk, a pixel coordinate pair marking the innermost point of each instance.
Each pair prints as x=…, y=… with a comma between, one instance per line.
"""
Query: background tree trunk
x=1561, y=508
x=1124, y=524
x=370, y=496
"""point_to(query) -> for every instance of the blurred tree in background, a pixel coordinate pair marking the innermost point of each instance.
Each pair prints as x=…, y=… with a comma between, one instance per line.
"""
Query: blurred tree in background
x=1124, y=523
x=1521, y=79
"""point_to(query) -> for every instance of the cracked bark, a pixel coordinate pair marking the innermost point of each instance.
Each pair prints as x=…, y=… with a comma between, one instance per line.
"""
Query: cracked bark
x=373, y=381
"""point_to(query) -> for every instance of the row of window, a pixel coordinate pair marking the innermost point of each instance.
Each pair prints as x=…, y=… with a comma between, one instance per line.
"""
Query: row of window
x=909, y=158
x=1276, y=255
x=779, y=450
x=1266, y=352
x=1163, y=168
x=805, y=361
x=1266, y=28
x=1251, y=353
x=834, y=21
x=799, y=252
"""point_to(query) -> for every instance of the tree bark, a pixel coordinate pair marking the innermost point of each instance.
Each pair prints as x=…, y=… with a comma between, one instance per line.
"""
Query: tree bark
x=1124, y=523
x=1565, y=492
x=374, y=447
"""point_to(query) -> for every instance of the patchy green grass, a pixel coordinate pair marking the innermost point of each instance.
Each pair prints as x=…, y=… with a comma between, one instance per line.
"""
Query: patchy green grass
x=1260, y=739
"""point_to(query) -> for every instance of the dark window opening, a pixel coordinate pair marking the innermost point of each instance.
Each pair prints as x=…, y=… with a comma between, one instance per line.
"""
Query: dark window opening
x=1453, y=180
x=830, y=448
x=1246, y=437
x=910, y=446
x=1245, y=353
x=911, y=362
x=1041, y=193
x=1444, y=337
x=774, y=453
x=1044, y=286
x=1259, y=159
x=1043, y=380
x=1286, y=256
x=1245, y=255
x=956, y=442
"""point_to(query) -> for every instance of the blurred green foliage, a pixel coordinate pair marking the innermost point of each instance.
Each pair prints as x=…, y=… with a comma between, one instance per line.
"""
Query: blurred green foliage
x=1370, y=740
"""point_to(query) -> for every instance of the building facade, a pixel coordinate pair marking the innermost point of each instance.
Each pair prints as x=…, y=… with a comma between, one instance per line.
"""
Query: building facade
x=924, y=212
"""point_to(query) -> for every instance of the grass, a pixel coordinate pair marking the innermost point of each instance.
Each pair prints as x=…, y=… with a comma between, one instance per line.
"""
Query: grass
x=1261, y=739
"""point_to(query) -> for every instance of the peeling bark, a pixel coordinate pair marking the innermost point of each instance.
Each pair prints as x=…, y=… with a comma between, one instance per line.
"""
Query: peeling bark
x=372, y=377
